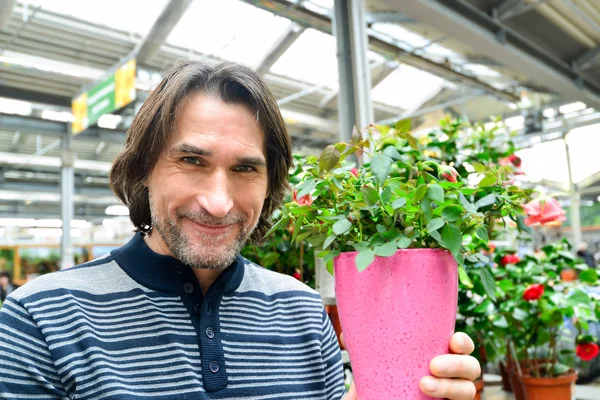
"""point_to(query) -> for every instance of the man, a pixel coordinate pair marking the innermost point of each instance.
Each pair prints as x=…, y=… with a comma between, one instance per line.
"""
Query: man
x=6, y=285
x=177, y=313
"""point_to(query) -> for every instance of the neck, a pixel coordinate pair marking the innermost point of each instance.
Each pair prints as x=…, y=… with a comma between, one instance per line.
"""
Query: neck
x=206, y=277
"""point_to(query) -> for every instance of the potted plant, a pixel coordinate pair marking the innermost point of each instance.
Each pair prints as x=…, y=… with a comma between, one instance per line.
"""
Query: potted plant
x=537, y=305
x=394, y=232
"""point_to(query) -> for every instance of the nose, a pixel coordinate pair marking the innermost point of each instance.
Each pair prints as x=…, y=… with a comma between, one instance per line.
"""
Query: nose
x=216, y=197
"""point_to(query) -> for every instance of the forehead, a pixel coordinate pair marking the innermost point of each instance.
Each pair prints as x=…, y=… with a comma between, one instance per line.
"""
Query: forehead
x=209, y=121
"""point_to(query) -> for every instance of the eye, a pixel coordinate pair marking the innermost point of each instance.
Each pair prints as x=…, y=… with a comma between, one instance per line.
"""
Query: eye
x=245, y=168
x=191, y=160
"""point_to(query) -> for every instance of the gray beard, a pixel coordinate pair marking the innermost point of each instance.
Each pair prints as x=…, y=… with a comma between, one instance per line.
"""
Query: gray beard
x=206, y=253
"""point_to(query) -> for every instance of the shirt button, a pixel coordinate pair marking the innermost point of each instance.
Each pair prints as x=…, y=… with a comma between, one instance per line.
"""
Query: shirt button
x=214, y=367
x=197, y=309
x=209, y=333
x=188, y=287
x=178, y=269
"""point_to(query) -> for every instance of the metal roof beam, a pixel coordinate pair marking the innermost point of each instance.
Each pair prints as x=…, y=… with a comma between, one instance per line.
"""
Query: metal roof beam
x=378, y=74
x=485, y=41
x=6, y=10
x=588, y=60
x=387, y=18
x=281, y=45
x=37, y=97
x=380, y=45
x=162, y=28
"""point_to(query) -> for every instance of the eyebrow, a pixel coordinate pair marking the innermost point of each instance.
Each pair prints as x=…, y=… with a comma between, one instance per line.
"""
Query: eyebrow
x=190, y=149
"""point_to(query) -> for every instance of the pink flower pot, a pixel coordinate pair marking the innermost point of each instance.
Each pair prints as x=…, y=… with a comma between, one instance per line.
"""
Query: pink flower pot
x=397, y=315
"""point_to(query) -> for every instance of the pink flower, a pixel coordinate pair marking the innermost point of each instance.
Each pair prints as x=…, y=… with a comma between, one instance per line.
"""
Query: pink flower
x=543, y=210
x=509, y=259
x=515, y=160
x=305, y=200
x=354, y=171
x=533, y=292
x=587, y=351
x=447, y=173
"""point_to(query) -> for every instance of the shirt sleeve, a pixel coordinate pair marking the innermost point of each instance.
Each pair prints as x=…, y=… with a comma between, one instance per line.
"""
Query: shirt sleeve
x=27, y=370
x=332, y=357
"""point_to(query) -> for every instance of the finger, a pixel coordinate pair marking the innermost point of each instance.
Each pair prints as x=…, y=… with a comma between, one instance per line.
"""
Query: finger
x=451, y=389
x=455, y=366
x=351, y=395
x=461, y=343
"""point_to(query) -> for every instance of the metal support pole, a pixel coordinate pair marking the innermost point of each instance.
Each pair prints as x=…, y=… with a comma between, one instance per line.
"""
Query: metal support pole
x=575, y=200
x=354, y=100
x=67, y=189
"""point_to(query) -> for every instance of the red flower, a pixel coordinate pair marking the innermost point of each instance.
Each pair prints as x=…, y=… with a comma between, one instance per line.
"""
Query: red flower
x=354, y=171
x=587, y=351
x=305, y=200
x=509, y=259
x=296, y=275
x=543, y=210
x=447, y=173
x=533, y=292
x=515, y=160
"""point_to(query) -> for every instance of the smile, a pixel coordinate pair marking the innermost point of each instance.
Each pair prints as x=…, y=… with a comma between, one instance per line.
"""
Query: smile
x=211, y=229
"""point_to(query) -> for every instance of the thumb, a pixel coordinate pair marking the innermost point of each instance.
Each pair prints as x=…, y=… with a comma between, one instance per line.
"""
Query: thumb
x=351, y=395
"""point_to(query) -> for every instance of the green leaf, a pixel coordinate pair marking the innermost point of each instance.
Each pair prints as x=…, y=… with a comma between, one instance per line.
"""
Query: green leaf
x=316, y=240
x=381, y=166
x=521, y=225
x=464, y=278
x=436, y=235
x=342, y=226
x=386, y=195
x=479, y=167
x=452, y=213
x=399, y=203
x=452, y=238
x=386, y=250
x=426, y=208
x=370, y=195
x=269, y=259
x=486, y=201
x=412, y=142
x=519, y=314
x=403, y=242
x=506, y=285
x=560, y=369
x=588, y=276
x=488, y=180
x=420, y=192
x=297, y=227
x=403, y=126
x=578, y=297
x=392, y=153
x=500, y=322
x=482, y=233
x=466, y=203
x=364, y=259
x=279, y=224
x=329, y=266
x=435, y=224
x=329, y=159
x=328, y=241
x=435, y=193
x=483, y=307
x=487, y=279
x=306, y=188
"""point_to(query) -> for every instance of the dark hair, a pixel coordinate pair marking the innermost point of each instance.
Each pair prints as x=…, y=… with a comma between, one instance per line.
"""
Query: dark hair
x=154, y=123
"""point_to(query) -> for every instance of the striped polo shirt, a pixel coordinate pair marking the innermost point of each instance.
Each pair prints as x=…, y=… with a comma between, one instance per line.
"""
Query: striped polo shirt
x=135, y=325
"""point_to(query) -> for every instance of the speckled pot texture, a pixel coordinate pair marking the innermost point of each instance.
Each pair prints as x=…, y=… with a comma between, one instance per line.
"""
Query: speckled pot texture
x=396, y=315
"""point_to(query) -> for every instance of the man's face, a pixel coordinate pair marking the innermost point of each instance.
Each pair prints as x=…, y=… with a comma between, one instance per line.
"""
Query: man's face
x=208, y=187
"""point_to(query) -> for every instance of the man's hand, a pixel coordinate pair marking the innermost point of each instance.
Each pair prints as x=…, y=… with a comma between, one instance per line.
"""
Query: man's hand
x=452, y=374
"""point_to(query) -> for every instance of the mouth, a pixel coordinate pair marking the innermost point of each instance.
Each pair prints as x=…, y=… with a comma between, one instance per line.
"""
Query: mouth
x=215, y=230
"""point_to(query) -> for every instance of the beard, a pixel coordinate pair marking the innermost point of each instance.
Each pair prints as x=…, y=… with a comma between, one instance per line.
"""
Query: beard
x=202, y=251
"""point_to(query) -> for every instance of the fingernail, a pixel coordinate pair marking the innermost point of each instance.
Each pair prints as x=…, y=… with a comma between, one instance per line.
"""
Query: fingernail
x=430, y=385
x=461, y=341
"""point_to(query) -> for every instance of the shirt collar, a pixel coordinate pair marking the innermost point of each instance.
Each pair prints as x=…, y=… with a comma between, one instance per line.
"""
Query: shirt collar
x=167, y=274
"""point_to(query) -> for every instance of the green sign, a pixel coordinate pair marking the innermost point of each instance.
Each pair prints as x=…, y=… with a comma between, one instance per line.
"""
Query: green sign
x=101, y=99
